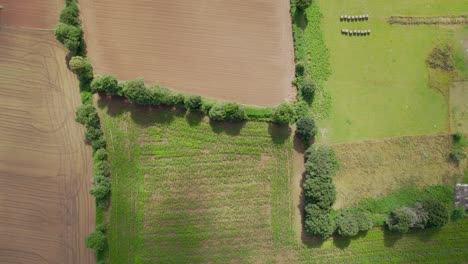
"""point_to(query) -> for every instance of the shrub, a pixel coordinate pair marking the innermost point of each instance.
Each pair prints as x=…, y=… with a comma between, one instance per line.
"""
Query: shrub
x=82, y=68
x=100, y=155
x=400, y=219
x=301, y=109
x=102, y=168
x=206, y=106
x=105, y=84
x=86, y=97
x=318, y=222
x=303, y=4
x=320, y=161
x=437, y=212
x=70, y=14
x=307, y=89
x=160, y=95
x=136, y=91
x=440, y=58
x=101, y=228
x=178, y=99
x=458, y=213
x=306, y=129
x=364, y=221
x=98, y=144
x=284, y=113
x=193, y=102
x=320, y=191
x=93, y=133
x=87, y=115
x=101, y=189
x=457, y=155
x=300, y=68
x=96, y=241
x=217, y=112
x=70, y=36
x=346, y=224
x=227, y=111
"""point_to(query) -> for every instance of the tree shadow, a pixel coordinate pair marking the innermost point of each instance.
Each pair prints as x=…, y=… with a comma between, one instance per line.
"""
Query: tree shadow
x=194, y=118
x=279, y=132
x=344, y=242
x=298, y=144
x=147, y=116
x=390, y=238
x=230, y=128
x=114, y=105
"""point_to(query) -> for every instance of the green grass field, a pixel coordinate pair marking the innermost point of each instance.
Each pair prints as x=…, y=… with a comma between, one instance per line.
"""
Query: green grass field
x=379, y=83
x=185, y=190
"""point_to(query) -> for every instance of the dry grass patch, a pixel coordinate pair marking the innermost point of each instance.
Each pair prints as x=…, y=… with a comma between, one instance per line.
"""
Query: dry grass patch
x=376, y=168
x=459, y=106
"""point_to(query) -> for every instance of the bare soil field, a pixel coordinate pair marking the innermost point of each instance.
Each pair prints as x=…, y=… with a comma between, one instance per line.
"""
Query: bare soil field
x=376, y=168
x=230, y=50
x=30, y=13
x=45, y=166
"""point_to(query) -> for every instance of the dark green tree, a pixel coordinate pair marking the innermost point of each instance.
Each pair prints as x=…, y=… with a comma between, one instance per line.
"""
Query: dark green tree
x=105, y=84
x=320, y=161
x=193, y=102
x=346, y=224
x=303, y=4
x=136, y=91
x=437, y=213
x=306, y=129
x=96, y=241
x=400, y=219
x=284, y=114
x=320, y=191
x=318, y=222
x=70, y=14
x=307, y=89
x=70, y=36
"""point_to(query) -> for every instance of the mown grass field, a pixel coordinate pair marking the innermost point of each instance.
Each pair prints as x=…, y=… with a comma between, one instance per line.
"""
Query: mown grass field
x=187, y=191
x=379, y=83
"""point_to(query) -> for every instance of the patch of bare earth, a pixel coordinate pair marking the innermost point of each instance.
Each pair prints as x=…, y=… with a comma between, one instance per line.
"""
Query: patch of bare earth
x=45, y=166
x=376, y=168
x=230, y=50
x=30, y=13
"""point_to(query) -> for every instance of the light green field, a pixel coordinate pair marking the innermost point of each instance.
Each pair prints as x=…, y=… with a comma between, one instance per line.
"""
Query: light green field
x=187, y=191
x=379, y=83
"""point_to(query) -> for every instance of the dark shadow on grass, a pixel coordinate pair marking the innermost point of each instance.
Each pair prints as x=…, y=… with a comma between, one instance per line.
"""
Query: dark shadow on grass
x=300, y=19
x=279, y=132
x=390, y=238
x=114, y=105
x=194, y=118
x=230, y=128
x=344, y=242
x=150, y=115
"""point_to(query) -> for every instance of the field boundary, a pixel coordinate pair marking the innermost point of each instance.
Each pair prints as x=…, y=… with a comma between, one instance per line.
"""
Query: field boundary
x=435, y=20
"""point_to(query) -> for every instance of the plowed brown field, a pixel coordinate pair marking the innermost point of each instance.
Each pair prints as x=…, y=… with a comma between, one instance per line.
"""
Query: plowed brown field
x=30, y=13
x=231, y=50
x=45, y=166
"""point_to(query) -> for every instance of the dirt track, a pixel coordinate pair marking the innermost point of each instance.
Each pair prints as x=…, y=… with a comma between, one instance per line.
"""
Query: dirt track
x=45, y=167
x=232, y=50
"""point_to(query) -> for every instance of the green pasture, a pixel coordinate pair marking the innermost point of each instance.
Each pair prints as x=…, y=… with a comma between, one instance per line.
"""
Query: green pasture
x=379, y=83
x=185, y=190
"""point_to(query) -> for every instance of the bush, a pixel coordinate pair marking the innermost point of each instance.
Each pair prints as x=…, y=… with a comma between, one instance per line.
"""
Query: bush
x=82, y=68
x=437, y=212
x=227, y=111
x=458, y=213
x=70, y=14
x=301, y=109
x=364, y=221
x=136, y=91
x=306, y=129
x=96, y=241
x=102, y=168
x=300, y=69
x=178, y=99
x=320, y=161
x=318, y=222
x=161, y=95
x=441, y=58
x=100, y=155
x=70, y=36
x=98, y=144
x=105, y=84
x=303, y=4
x=307, y=89
x=457, y=155
x=217, y=112
x=101, y=189
x=87, y=115
x=92, y=134
x=400, y=219
x=206, y=107
x=193, y=102
x=284, y=113
x=320, y=191
x=346, y=224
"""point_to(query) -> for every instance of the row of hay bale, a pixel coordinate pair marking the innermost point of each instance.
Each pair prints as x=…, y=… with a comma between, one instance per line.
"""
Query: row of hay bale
x=355, y=32
x=354, y=18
